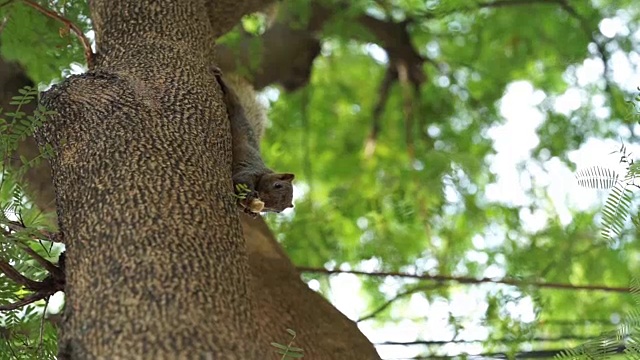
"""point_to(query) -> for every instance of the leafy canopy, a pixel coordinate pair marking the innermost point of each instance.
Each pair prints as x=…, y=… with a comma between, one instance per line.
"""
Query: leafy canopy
x=416, y=197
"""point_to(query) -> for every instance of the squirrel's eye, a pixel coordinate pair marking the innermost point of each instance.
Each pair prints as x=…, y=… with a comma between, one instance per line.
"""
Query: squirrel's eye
x=277, y=185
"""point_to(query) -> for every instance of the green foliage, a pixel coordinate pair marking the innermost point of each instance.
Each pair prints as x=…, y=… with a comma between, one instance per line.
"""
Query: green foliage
x=390, y=212
x=17, y=125
x=616, y=211
x=608, y=344
x=434, y=209
x=597, y=177
x=242, y=190
x=24, y=334
x=288, y=351
x=618, y=205
x=42, y=45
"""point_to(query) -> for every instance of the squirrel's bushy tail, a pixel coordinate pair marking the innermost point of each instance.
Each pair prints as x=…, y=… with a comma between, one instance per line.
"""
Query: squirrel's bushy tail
x=255, y=111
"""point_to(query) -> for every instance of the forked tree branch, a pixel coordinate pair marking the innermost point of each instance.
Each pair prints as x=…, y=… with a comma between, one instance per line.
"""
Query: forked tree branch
x=41, y=289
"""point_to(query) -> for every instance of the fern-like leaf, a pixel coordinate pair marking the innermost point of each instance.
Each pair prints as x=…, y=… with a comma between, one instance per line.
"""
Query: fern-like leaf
x=602, y=347
x=597, y=177
x=616, y=210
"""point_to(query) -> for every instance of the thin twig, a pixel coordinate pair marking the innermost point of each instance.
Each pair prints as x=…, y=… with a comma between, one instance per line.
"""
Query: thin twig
x=385, y=86
x=408, y=104
x=41, y=234
x=504, y=3
x=509, y=340
x=86, y=44
x=488, y=4
x=22, y=302
x=44, y=313
x=470, y=280
x=41, y=289
x=381, y=308
x=589, y=32
x=46, y=264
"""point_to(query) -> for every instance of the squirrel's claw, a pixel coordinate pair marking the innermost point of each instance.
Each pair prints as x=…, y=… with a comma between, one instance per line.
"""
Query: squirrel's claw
x=251, y=214
x=251, y=204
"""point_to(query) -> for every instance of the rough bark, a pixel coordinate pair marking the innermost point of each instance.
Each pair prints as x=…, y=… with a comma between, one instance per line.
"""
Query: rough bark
x=156, y=266
x=283, y=300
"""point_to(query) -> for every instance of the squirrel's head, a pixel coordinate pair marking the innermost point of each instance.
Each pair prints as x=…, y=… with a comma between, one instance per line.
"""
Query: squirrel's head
x=276, y=191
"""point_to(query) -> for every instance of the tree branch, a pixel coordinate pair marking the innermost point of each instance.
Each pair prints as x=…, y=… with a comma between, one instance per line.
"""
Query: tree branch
x=46, y=264
x=34, y=234
x=225, y=14
x=382, y=307
x=18, y=278
x=53, y=283
x=470, y=280
x=533, y=354
x=508, y=340
x=589, y=32
x=409, y=90
x=70, y=26
x=385, y=87
x=505, y=3
x=287, y=53
x=285, y=58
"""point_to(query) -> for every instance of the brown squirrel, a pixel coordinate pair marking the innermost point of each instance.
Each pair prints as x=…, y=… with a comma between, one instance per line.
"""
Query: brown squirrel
x=265, y=190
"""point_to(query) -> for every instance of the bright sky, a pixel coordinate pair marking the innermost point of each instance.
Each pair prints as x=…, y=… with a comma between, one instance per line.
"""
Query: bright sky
x=514, y=141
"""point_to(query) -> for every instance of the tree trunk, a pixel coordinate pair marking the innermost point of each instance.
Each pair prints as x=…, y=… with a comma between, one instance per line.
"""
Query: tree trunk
x=156, y=265
x=142, y=194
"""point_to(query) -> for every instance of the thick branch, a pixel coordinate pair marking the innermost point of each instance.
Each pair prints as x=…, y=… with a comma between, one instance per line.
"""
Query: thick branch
x=286, y=53
x=322, y=330
x=41, y=289
x=16, y=277
x=225, y=14
x=285, y=57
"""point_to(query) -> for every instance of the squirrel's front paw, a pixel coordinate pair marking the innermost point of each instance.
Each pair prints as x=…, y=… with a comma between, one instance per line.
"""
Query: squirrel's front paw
x=248, y=199
x=253, y=204
x=251, y=214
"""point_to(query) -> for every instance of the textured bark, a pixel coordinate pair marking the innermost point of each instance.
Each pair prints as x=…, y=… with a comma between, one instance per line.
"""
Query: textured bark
x=156, y=265
x=130, y=238
x=284, y=301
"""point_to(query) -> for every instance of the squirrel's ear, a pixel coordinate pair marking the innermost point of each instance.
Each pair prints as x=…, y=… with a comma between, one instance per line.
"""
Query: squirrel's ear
x=286, y=177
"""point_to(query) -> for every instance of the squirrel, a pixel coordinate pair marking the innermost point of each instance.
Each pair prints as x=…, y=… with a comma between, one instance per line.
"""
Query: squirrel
x=258, y=187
